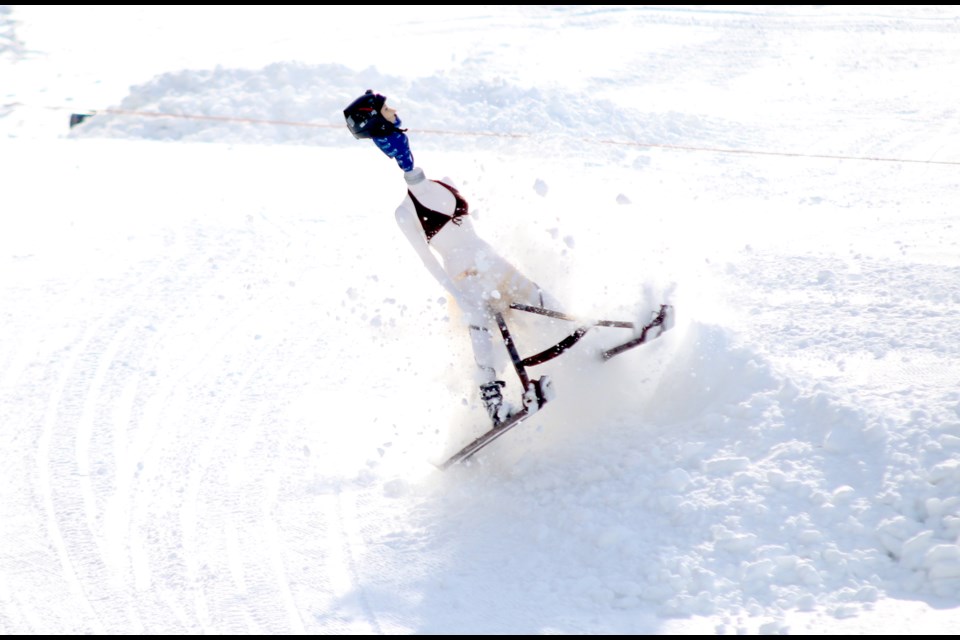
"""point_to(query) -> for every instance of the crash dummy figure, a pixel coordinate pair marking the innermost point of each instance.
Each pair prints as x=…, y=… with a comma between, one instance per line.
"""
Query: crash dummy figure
x=435, y=218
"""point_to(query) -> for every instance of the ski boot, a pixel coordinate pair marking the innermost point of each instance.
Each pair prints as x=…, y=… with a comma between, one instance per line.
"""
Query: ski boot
x=538, y=393
x=492, y=397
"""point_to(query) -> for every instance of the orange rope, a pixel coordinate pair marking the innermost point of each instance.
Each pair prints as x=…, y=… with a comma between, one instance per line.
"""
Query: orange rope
x=185, y=116
x=524, y=135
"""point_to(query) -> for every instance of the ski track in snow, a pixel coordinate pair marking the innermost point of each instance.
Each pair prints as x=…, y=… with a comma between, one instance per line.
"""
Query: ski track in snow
x=209, y=410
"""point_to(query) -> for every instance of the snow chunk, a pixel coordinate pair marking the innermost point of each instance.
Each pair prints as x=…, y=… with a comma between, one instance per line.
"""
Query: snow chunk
x=726, y=465
x=950, y=442
x=915, y=549
x=809, y=536
x=943, y=554
x=843, y=494
x=774, y=628
x=943, y=570
x=730, y=541
x=945, y=471
x=895, y=531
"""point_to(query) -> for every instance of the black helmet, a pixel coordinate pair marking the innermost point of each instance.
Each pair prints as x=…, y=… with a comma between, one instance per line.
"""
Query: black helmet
x=364, y=118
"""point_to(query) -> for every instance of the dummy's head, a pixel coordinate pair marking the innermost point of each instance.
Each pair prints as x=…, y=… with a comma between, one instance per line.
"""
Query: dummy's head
x=369, y=117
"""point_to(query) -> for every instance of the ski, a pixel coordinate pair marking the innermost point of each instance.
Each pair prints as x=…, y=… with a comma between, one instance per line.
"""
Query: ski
x=539, y=392
x=663, y=320
x=487, y=438
x=654, y=329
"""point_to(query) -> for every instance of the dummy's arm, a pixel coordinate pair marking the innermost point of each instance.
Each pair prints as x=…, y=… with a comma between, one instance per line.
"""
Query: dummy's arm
x=411, y=229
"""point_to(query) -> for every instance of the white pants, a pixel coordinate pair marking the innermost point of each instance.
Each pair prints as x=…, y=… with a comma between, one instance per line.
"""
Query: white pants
x=486, y=294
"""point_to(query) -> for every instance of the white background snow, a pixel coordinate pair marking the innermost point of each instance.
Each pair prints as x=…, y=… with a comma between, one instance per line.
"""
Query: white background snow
x=225, y=376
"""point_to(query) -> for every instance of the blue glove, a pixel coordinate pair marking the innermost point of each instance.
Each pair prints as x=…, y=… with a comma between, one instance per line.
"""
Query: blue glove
x=397, y=146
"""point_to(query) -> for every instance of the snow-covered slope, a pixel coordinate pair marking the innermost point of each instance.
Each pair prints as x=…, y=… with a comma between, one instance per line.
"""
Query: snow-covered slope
x=224, y=376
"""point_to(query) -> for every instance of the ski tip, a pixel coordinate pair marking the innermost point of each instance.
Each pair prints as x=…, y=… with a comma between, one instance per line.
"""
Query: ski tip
x=662, y=321
x=669, y=317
